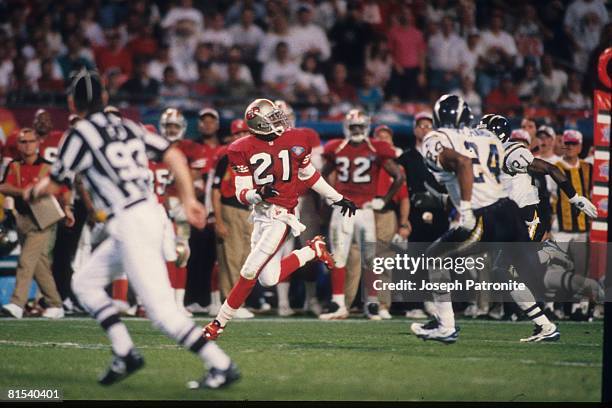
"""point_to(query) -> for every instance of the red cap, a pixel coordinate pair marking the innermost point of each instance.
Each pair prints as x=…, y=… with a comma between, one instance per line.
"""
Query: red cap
x=238, y=125
x=572, y=136
x=383, y=127
x=520, y=134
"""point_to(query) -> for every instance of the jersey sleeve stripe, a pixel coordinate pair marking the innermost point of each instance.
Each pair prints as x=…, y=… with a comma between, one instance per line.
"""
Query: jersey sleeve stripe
x=447, y=137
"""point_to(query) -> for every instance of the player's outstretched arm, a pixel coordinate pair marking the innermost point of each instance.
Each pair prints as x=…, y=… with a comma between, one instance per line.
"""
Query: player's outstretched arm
x=195, y=211
x=581, y=202
x=461, y=165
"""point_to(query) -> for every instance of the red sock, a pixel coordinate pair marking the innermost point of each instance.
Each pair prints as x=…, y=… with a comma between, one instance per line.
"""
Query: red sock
x=338, y=275
x=214, y=278
x=289, y=264
x=171, y=273
x=180, y=278
x=120, y=290
x=241, y=290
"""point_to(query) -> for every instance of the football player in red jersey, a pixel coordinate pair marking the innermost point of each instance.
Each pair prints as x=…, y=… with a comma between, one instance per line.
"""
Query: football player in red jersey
x=269, y=164
x=357, y=161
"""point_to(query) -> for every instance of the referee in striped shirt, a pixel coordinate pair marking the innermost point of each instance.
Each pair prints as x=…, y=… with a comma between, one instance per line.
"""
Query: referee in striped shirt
x=111, y=155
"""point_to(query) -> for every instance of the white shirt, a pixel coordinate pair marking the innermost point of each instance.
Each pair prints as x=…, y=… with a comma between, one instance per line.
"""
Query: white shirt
x=446, y=53
x=552, y=86
x=6, y=72
x=217, y=37
x=220, y=70
x=180, y=13
x=316, y=82
x=251, y=36
x=277, y=73
x=575, y=13
x=303, y=38
x=267, y=47
x=502, y=40
x=156, y=70
x=33, y=71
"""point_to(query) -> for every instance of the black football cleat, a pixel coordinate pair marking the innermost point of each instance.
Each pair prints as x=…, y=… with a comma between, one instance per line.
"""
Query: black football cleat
x=217, y=378
x=121, y=367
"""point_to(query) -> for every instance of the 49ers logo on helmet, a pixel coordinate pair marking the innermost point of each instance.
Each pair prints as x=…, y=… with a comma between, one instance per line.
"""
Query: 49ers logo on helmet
x=251, y=113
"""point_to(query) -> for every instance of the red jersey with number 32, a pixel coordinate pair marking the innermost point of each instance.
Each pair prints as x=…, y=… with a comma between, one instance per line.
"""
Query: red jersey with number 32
x=357, y=167
x=275, y=162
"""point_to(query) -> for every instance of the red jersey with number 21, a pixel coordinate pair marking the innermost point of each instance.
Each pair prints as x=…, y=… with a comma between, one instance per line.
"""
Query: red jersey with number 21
x=275, y=162
x=357, y=167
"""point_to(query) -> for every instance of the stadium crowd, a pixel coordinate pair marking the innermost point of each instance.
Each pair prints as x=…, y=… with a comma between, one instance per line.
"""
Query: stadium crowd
x=308, y=52
x=324, y=56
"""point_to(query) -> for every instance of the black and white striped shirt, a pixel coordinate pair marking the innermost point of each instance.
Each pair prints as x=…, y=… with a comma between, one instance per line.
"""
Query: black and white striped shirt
x=111, y=154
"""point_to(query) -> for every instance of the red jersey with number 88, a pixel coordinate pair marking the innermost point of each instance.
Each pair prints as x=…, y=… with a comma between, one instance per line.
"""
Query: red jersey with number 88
x=276, y=162
x=357, y=167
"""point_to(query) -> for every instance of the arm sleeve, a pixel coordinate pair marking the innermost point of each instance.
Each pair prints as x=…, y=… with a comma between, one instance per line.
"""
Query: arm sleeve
x=73, y=157
x=433, y=145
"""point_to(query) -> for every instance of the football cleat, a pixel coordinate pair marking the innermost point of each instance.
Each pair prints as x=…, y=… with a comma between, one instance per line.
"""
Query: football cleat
x=384, y=314
x=121, y=367
x=432, y=330
x=217, y=378
x=319, y=246
x=371, y=311
x=336, y=312
x=213, y=330
x=546, y=332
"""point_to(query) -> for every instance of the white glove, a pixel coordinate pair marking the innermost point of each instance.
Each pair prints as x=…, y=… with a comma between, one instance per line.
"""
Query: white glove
x=376, y=204
x=584, y=205
x=466, y=220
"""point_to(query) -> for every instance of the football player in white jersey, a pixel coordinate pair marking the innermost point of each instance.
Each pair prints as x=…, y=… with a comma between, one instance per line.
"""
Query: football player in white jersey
x=468, y=162
x=518, y=182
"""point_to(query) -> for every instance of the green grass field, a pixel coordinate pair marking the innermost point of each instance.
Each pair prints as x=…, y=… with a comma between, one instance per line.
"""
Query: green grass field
x=305, y=359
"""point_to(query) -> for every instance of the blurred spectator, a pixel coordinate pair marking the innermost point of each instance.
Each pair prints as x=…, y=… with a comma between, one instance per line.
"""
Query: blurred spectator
x=114, y=80
x=370, y=95
x=306, y=37
x=529, y=84
x=52, y=36
x=572, y=97
x=113, y=55
x=234, y=57
x=48, y=81
x=445, y=56
x=583, y=22
x=328, y=12
x=6, y=69
x=72, y=60
x=372, y=14
x=547, y=139
x=172, y=92
x=206, y=84
x=144, y=43
x=217, y=35
x=498, y=52
x=280, y=74
x=379, y=62
x=467, y=18
x=234, y=13
x=90, y=27
x=468, y=92
x=33, y=69
x=159, y=64
x=552, y=81
x=408, y=51
x=591, y=79
x=528, y=35
x=504, y=99
x=235, y=87
x=184, y=13
x=349, y=38
x=437, y=10
x=278, y=31
x=529, y=125
x=472, y=58
x=140, y=88
x=311, y=82
x=246, y=34
x=339, y=88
